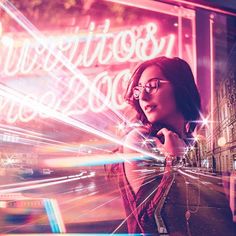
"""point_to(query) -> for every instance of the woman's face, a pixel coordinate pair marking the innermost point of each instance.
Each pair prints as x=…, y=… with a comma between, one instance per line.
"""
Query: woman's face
x=159, y=106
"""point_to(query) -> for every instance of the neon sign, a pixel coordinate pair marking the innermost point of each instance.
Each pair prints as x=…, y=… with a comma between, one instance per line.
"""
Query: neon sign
x=70, y=102
x=129, y=45
x=83, y=49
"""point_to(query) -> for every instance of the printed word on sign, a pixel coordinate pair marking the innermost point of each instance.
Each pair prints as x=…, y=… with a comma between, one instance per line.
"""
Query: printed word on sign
x=85, y=49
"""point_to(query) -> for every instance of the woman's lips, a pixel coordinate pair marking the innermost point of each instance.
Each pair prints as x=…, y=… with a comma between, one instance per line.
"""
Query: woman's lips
x=149, y=108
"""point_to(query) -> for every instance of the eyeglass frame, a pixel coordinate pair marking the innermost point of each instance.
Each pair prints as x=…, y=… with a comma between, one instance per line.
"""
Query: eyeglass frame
x=144, y=87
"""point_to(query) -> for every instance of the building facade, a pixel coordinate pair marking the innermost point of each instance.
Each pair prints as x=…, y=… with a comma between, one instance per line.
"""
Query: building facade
x=221, y=143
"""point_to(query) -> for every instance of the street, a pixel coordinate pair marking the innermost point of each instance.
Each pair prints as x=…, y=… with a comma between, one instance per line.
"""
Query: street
x=84, y=199
x=89, y=203
x=204, y=197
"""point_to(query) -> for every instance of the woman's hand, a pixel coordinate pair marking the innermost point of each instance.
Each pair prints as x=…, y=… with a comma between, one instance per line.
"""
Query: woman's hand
x=173, y=145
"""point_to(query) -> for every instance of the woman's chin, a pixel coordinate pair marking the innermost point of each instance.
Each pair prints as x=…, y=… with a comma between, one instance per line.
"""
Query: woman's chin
x=153, y=120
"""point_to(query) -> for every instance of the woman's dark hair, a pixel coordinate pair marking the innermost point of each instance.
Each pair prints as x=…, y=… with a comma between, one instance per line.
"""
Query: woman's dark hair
x=186, y=94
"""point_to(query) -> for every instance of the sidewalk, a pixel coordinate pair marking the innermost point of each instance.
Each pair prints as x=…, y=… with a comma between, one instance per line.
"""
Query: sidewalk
x=203, y=170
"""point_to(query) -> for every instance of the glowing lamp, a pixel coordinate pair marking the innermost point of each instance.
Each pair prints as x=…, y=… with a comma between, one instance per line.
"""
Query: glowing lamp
x=7, y=41
x=221, y=141
x=121, y=126
x=144, y=142
x=3, y=204
x=205, y=121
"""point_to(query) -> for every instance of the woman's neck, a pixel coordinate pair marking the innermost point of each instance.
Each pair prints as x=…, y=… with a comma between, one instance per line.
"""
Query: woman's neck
x=175, y=124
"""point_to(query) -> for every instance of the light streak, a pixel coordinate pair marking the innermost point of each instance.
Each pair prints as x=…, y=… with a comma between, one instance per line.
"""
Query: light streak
x=121, y=126
x=54, y=216
x=99, y=206
x=150, y=28
x=58, y=216
x=180, y=32
x=215, y=9
x=145, y=170
x=12, y=138
x=139, y=47
x=211, y=22
x=82, y=197
x=94, y=160
x=71, y=200
x=152, y=6
x=43, y=185
x=51, y=216
x=166, y=172
x=37, y=181
x=52, y=145
x=190, y=176
x=78, y=149
x=15, y=96
x=112, y=89
x=23, y=133
x=22, y=21
x=94, y=147
x=210, y=176
x=21, y=130
x=113, y=99
x=194, y=53
x=204, y=121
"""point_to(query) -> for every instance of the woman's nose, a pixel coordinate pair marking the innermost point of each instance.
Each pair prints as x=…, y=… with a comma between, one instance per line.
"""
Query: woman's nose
x=144, y=95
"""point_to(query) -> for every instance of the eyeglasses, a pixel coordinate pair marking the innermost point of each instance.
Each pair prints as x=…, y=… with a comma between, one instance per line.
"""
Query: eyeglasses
x=150, y=87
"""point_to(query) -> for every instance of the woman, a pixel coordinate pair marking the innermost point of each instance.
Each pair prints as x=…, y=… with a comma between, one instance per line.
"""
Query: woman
x=165, y=97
